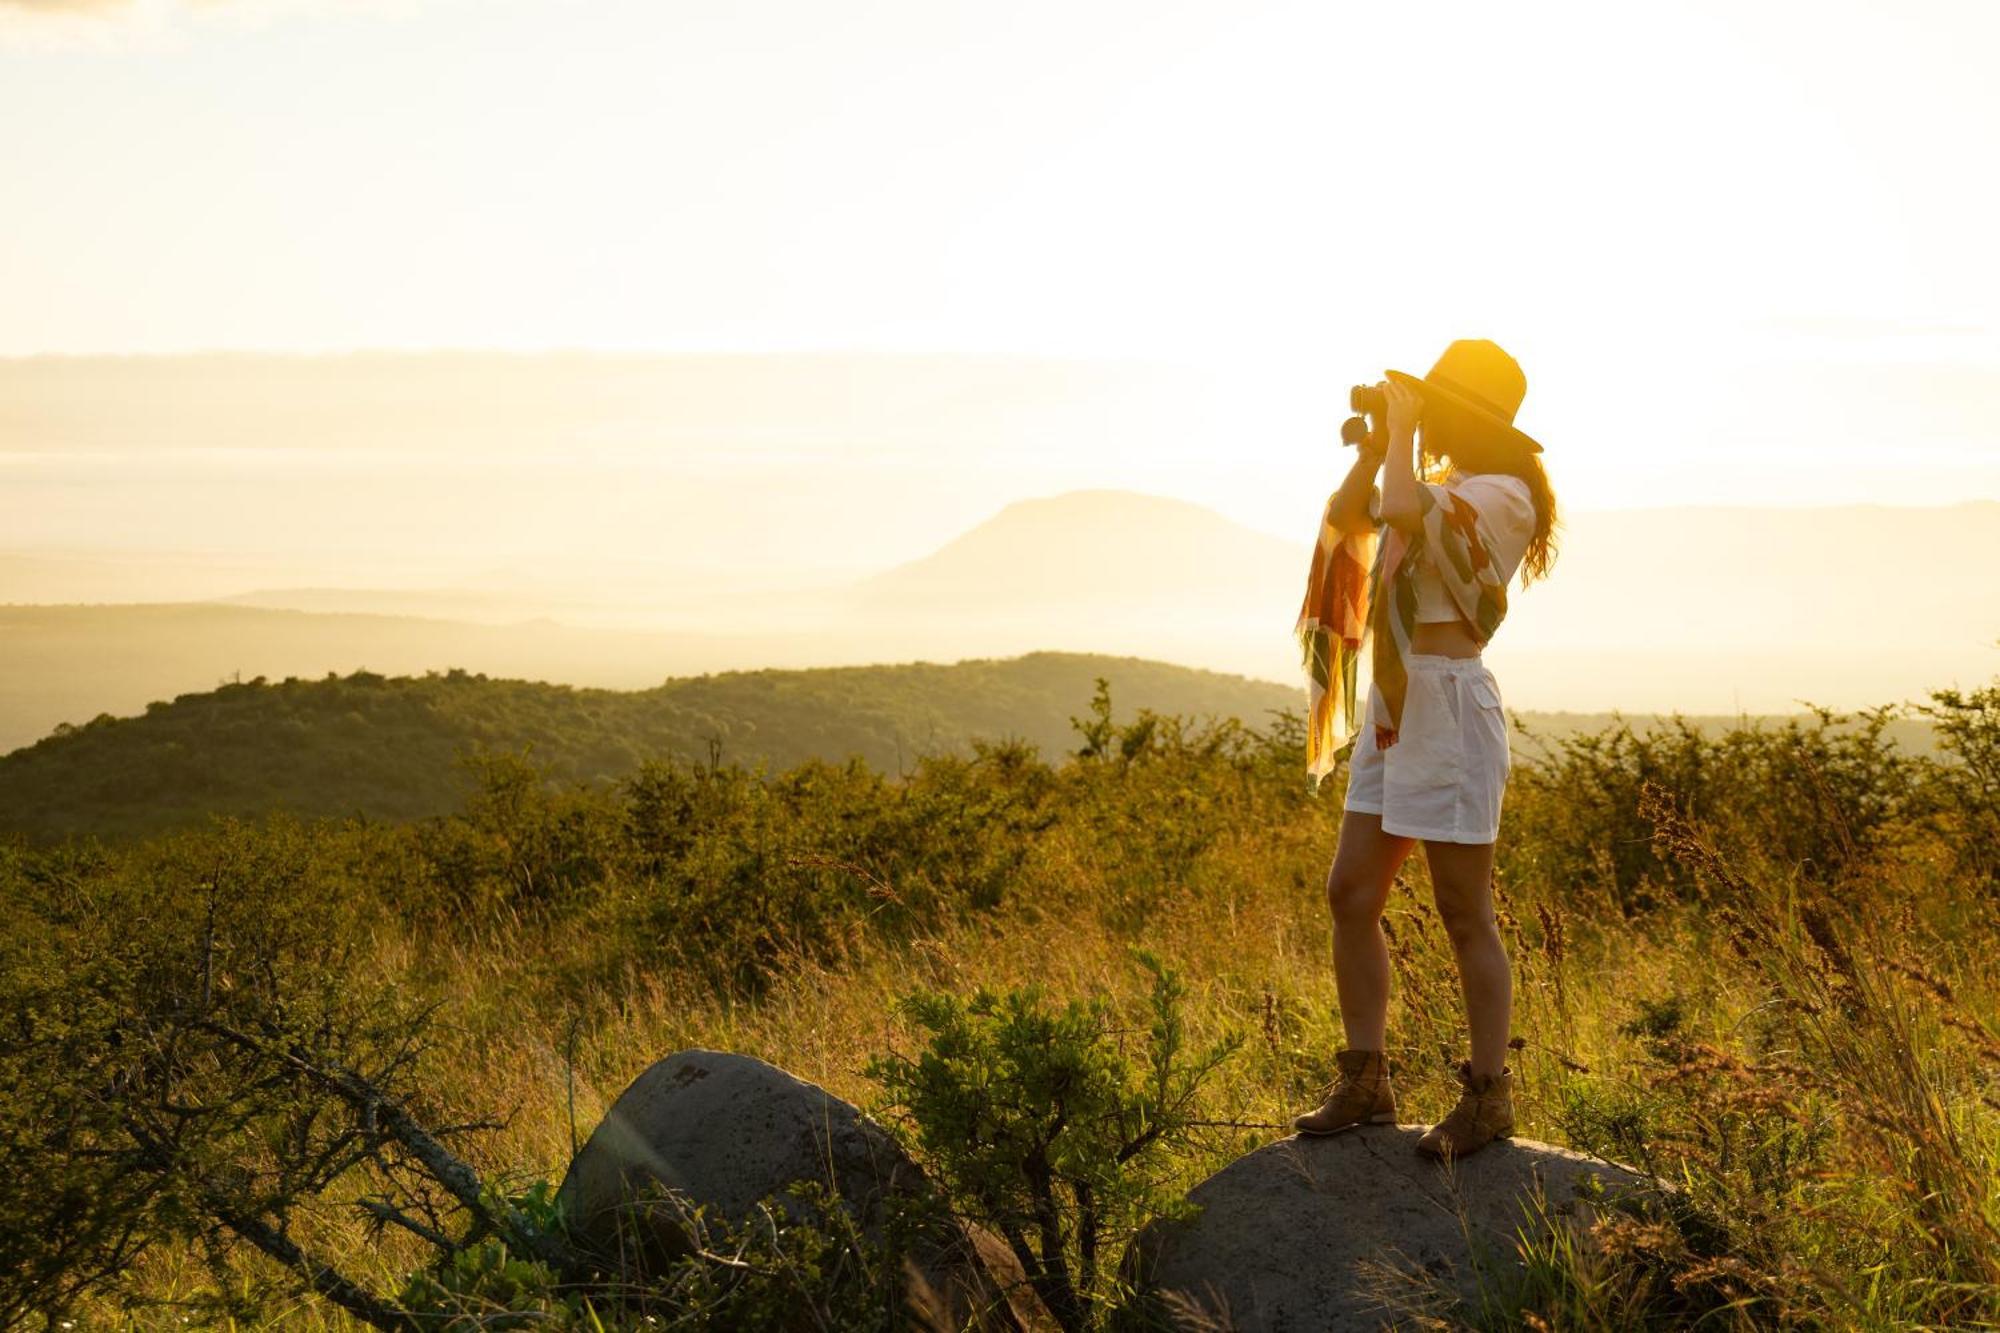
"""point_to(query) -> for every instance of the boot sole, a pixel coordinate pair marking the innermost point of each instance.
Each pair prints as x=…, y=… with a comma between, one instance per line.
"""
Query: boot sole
x=1379, y=1118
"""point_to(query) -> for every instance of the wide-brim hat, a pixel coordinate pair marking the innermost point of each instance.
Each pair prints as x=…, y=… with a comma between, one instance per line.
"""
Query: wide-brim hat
x=1477, y=377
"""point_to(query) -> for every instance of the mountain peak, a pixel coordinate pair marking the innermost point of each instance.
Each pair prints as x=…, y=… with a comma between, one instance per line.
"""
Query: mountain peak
x=1087, y=546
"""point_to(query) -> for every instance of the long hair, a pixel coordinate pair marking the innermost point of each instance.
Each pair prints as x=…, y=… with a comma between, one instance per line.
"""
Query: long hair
x=1469, y=444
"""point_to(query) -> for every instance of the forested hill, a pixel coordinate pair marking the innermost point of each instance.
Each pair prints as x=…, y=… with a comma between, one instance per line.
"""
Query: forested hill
x=389, y=747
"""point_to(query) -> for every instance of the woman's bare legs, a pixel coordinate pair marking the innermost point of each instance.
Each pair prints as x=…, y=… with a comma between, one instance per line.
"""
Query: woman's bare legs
x=1365, y=861
x=1462, y=880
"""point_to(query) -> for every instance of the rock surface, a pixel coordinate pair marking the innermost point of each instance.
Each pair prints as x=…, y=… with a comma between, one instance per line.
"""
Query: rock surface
x=1296, y=1235
x=729, y=1130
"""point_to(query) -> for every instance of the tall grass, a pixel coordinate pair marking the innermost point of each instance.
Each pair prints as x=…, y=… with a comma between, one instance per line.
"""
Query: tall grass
x=1765, y=967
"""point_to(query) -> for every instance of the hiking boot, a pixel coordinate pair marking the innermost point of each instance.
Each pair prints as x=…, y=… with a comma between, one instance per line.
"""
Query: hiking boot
x=1359, y=1096
x=1485, y=1112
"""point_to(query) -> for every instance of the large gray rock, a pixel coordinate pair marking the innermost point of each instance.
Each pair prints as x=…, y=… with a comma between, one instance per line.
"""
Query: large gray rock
x=1310, y=1233
x=726, y=1131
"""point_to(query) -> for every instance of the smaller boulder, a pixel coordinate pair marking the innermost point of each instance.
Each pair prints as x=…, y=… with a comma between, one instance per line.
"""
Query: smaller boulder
x=728, y=1131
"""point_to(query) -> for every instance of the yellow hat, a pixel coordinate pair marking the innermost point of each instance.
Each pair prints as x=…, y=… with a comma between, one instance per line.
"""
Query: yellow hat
x=1475, y=376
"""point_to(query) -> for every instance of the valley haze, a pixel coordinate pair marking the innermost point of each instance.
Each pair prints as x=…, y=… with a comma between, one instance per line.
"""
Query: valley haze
x=617, y=520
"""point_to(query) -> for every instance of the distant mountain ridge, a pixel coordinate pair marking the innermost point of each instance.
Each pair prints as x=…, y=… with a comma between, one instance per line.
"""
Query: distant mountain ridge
x=1096, y=548
x=1696, y=609
x=388, y=747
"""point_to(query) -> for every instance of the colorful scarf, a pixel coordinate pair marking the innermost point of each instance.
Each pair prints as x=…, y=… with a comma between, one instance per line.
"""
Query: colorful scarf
x=1361, y=590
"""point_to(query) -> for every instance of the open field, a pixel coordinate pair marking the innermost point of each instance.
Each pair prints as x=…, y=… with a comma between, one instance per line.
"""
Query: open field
x=1759, y=963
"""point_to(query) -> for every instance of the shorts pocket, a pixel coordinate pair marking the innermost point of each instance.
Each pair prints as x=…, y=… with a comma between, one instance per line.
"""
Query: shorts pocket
x=1430, y=745
x=1493, y=721
x=1485, y=693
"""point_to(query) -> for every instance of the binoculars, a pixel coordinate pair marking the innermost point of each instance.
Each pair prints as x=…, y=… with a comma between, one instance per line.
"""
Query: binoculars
x=1365, y=401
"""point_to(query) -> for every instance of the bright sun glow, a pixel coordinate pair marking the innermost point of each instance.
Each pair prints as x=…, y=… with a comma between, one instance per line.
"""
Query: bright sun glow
x=1742, y=250
x=1678, y=217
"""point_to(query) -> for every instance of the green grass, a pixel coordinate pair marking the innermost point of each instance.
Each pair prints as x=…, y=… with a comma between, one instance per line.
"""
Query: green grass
x=1761, y=964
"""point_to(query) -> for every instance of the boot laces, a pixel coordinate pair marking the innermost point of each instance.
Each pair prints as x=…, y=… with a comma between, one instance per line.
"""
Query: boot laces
x=1463, y=1116
x=1466, y=1114
x=1344, y=1084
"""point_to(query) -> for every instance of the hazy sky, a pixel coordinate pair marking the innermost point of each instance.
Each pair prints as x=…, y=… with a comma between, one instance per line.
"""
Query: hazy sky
x=1744, y=250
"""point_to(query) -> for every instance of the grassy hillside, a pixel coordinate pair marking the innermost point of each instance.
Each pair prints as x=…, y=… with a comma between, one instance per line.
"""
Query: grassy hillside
x=389, y=747
x=1760, y=965
x=70, y=663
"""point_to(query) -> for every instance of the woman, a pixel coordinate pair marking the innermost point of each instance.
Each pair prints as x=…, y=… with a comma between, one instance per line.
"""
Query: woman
x=1430, y=758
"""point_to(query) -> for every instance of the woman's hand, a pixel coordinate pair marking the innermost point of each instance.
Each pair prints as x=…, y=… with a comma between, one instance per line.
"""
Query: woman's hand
x=1401, y=506
x=1406, y=408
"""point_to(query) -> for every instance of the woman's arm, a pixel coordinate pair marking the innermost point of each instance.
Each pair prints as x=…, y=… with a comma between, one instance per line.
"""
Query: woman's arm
x=1348, y=510
x=1400, y=488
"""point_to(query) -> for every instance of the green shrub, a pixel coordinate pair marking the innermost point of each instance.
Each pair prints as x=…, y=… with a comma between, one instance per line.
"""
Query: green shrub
x=194, y=1054
x=1819, y=798
x=523, y=843
x=1044, y=1126
x=1967, y=785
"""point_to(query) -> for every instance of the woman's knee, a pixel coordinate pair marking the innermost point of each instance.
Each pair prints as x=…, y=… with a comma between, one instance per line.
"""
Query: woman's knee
x=1468, y=925
x=1354, y=900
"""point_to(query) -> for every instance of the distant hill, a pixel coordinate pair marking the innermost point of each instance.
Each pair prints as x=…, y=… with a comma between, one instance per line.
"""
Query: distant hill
x=68, y=664
x=1703, y=609
x=387, y=747
x=1096, y=572
x=1707, y=609
x=1109, y=552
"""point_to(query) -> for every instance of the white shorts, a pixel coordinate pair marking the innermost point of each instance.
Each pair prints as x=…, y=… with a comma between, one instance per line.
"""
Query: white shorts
x=1443, y=778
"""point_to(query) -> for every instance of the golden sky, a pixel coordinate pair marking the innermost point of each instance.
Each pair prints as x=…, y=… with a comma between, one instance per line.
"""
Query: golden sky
x=1742, y=249
x=990, y=252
